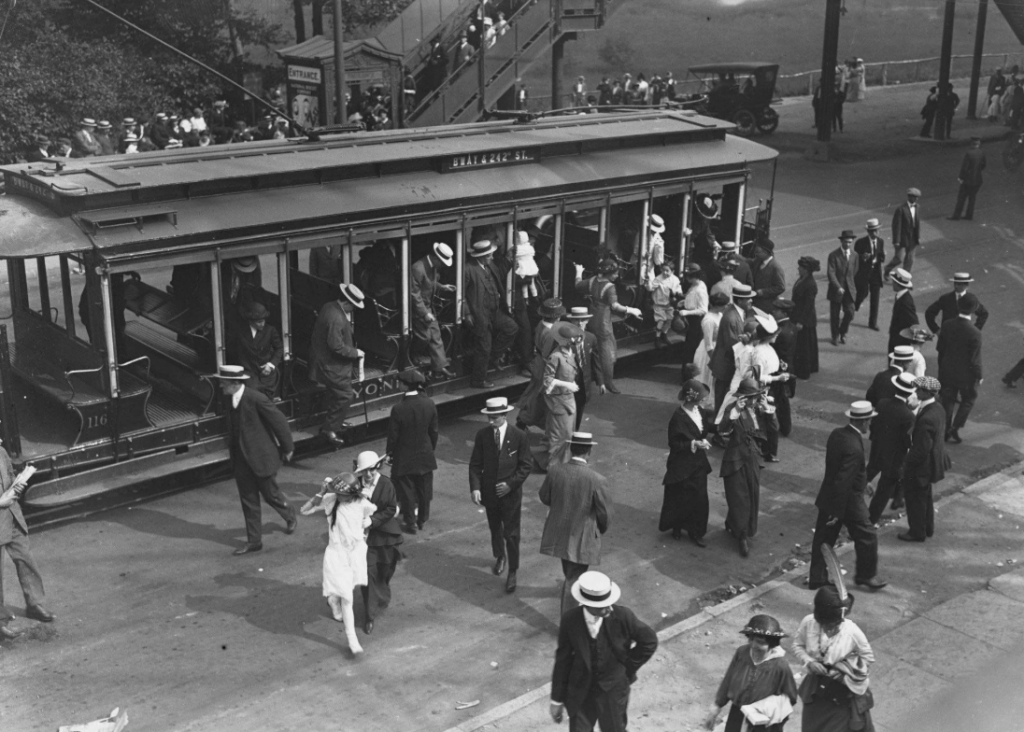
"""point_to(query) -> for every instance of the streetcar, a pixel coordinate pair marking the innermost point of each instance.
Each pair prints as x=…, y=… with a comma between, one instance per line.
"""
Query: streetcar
x=121, y=270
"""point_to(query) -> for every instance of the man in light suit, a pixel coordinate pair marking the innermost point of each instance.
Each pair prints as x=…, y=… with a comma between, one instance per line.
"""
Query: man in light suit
x=498, y=468
x=904, y=311
x=960, y=372
x=333, y=356
x=870, y=251
x=926, y=462
x=730, y=332
x=842, y=275
x=577, y=516
x=258, y=349
x=424, y=279
x=601, y=646
x=560, y=387
x=412, y=439
x=970, y=180
x=14, y=538
x=841, y=501
x=259, y=439
x=906, y=232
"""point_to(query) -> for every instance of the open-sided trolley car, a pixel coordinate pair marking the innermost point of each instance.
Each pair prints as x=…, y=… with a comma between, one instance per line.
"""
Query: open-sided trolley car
x=121, y=292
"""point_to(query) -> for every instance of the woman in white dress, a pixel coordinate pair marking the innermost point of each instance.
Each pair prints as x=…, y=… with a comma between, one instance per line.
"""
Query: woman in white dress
x=348, y=515
x=702, y=358
x=858, y=88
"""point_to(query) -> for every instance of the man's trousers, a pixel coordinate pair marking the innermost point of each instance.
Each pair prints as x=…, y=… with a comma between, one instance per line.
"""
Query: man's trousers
x=250, y=488
x=503, y=520
x=380, y=568
x=414, y=494
x=28, y=574
x=865, y=541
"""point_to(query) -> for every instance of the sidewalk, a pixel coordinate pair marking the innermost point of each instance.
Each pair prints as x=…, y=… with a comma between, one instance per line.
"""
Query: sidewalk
x=931, y=645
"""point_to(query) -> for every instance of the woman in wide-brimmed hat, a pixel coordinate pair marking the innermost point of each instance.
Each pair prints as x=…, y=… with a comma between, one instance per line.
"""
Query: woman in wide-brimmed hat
x=837, y=656
x=805, y=316
x=758, y=682
x=348, y=514
x=685, y=505
x=741, y=424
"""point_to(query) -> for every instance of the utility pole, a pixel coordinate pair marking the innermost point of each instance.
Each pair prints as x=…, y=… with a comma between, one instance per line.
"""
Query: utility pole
x=829, y=56
x=979, y=48
x=481, y=70
x=945, y=57
x=339, y=64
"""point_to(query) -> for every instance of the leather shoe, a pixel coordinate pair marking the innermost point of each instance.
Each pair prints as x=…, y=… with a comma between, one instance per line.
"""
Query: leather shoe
x=954, y=437
x=835, y=341
x=332, y=437
x=446, y=372
x=1009, y=384
x=38, y=612
x=482, y=384
x=874, y=327
x=744, y=547
x=897, y=504
x=291, y=525
x=510, y=583
x=677, y=533
x=613, y=389
x=842, y=339
x=409, y=529
x=246, y=548
x=9, y=634
x=698, y=540
x=907, y=536
x=499, y=566
x=771, y=459
x=872, y=583
x=368, y=626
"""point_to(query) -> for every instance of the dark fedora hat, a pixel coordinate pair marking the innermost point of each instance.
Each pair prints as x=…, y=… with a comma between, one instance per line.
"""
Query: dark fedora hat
x=551, y=308
x=256, y=311
x=412, y=377
x=847, y=234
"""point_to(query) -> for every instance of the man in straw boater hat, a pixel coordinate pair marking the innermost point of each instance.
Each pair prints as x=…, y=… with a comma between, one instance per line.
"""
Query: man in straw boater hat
x=560, y=387
x=577, y=504
x=882, y=386
x=412, y=439
x=601, y=646
x=871, y=251
x=730, y=332
x=424, y=281
x=603, y=301
x=841, y=501
x=946, y=305
x=382, y=538
x=500, y=463
x=890, y=441
x=960, y=370
x=588, y=362
x=258, y=348
x=842, y=274
x=904, y=311
x=332, y=357
x=486, y=312
x=916, y=335
x=926, y=461
x=259, y=439
x=83, y=142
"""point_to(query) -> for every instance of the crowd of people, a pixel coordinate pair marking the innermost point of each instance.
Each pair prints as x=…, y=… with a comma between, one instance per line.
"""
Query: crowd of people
x=850, y=86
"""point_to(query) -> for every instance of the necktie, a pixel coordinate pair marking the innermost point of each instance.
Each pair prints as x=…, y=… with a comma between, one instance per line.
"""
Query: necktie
x=497, y=438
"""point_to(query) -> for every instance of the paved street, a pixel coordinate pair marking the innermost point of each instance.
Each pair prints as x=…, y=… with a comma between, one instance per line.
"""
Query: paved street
x=155, y=615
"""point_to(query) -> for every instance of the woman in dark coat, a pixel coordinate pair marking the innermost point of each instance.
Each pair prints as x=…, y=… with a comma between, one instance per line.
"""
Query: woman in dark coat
x=741, y=424
x=805, y=317
x=685, y=506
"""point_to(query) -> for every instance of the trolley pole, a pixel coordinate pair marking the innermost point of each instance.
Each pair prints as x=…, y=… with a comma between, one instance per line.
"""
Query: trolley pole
x=979, y=48
x=945, y=57
x=339, y=64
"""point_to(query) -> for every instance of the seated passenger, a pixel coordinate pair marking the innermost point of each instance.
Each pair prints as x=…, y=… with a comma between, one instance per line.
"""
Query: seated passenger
x=258, y=349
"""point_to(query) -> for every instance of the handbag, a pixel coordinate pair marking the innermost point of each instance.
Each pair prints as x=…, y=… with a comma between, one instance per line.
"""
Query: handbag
x=679, y=324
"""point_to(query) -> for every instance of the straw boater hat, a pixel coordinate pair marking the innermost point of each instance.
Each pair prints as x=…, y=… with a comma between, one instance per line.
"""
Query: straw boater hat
x=579, y=314
x=741, y=290
x=903, y=278
x=245, y=265
x=228, y=372
x=916, y=334
x=367, y=460
x=564, y=333
x=902, y=353
x=904, y=381
x=552, y=309
x=88, y=122
x=582, y=438
x=444, y=253
x=763, y=626
x=727, y=247
x=861, y=410
x=482, y=248
x=131, y=137
x=353, y=294
x=928, y=383
x=595, y=589
x=103, y=125
x=496, y=405
x=128, y=122
x=873, y=225
x=656, y=224
x=961, y=278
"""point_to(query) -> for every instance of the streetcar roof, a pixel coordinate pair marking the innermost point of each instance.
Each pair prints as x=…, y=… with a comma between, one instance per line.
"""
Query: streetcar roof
x=189, y=198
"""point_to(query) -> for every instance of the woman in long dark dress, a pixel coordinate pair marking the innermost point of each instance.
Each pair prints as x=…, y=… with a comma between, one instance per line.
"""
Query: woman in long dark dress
x=805, y=290
x=741, y=424
x=759, y=679
x=685, y=506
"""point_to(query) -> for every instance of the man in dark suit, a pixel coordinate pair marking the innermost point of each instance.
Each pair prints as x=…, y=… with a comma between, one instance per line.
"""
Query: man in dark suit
x=325, y=263
x=258, y=439
x=906, y=232
x=970, y=180
x=14, y=538
x=601, y=646
x=257, y=347
x=841, y=502
x=333, y=356
x=383, y=537
x=785, y=348
x=424, y=280
x=926, y=461
x=730, y=332
x=904, y=311
x=769, y=279
x=946, y=305
x=870, y=251
x=588, y=362
x=84, y=143
x=412, y=439
x=890, y=441
x=500, y=463
x=960, y=372
x=842, y=274
x=882, y=386
x=40, y=149
x=743, y=272
x=486, y=312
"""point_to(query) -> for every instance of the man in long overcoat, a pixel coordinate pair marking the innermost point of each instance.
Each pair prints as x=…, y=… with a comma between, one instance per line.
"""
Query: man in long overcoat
x=424, y=280
x=842, y=283
x=890, y=441
x=904, y=311
x=926, y=461
x=333, y=356
x=970, y=179
x=577, y=514
x=412, y=439
x=486, y=311
x=960, y=371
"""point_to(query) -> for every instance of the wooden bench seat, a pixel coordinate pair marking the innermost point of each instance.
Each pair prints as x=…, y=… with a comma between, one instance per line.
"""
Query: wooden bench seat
x=163, y=308
x=177, y=363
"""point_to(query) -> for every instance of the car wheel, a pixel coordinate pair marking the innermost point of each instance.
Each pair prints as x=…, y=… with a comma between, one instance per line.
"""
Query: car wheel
x=746, y=123
x=769, y=121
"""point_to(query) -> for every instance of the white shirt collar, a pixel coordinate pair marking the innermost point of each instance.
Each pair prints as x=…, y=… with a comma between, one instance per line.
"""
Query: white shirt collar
x=593, y=623
x=901, y=293
x=254, y=331
x=965, y=316
x=236, y=398
x=501, y=433
x=694, y=414
x=767, y=260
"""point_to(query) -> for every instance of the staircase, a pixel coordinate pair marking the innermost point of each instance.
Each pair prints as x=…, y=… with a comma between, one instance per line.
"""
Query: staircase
x=1013, y=11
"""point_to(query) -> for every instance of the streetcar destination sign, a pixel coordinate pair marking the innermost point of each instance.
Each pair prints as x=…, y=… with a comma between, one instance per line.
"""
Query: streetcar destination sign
x=494, y=159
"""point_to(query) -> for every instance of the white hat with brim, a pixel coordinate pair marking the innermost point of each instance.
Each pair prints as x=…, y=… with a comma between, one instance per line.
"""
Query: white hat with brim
x=579, y=313
x=582, y=438
x=904, y=381
x=742, y=291
x=353, y=294
x=444, y=253
x=482, y=248
x=902, y=353
x=656, y=223
x=366, y=460
x=902, y=277
x=496, y=405
x=594, y=589
x=872, y=225
x=227, y=372
x=961, y=278
x=245, y=265
x=861, y=410
x=766, y=321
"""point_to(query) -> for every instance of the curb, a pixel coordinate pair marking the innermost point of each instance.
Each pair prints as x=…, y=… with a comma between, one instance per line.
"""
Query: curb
x=711, y=613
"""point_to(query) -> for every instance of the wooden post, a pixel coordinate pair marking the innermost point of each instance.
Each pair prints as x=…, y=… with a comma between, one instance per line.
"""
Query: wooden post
x=945, y=58
x=8, y=417
x=829, y=55
x=979, y=47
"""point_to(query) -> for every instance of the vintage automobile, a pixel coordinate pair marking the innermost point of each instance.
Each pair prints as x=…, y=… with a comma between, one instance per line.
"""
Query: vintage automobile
x=740, y=92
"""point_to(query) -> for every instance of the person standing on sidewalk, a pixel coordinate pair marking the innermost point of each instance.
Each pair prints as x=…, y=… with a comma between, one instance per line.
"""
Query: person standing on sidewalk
x=970, y=180
x=842, y=276
x=685, y=505
x=758, y=682
x=883, y=385
x=742, y=425
x=601, y=646
x=904, y=311
x=730, y=332
x=906, y=233
x=383, y=537
x=769, y=279
x=577, y=514
x=890, y=440
x=838, y=657
x=926, y=461
x=841, y=501
x=946, y=305
x=871, y=251
x=412, y=439
x=960, y=371
x=805, y=315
